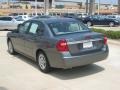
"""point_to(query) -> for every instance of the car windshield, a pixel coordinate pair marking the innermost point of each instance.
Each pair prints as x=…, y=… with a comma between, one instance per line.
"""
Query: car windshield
x=19, y=18
x=67, y=27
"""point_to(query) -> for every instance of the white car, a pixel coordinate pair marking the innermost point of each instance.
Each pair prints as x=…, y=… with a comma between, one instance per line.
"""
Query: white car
x=82, y=15
x=24, y=17
x=9, y=23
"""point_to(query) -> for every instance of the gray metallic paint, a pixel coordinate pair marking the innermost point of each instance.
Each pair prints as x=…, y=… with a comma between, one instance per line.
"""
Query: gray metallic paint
x=47, y=44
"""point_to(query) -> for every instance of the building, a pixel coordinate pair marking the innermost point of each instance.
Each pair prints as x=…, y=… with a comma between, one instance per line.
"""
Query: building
x=58, y=6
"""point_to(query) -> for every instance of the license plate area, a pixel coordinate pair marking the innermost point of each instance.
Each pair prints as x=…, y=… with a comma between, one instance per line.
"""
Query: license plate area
x=88, y=44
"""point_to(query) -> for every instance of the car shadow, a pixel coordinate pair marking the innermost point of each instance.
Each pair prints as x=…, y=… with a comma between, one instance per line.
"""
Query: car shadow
x=77, y=72
x=66, y=74
x=3, y=88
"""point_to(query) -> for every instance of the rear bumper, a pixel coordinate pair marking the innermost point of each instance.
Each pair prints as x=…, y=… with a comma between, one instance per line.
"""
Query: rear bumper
x=65, y=60
x=75, y=61
x=70, y=62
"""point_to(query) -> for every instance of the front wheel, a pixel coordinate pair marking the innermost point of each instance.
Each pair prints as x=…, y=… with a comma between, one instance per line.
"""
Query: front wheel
x=43, y=62
x=89, y=23
x=10, y=47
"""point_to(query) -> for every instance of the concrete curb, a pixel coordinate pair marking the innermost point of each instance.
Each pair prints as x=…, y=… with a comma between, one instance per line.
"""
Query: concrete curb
x=115, y=42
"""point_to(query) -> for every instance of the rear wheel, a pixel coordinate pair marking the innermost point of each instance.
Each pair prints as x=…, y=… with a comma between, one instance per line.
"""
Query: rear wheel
x=43, y=62
x=10, y=47
x=111, y=24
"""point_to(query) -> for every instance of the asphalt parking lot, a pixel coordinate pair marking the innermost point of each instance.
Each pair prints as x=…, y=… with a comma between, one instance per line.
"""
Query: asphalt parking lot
x=20, y=73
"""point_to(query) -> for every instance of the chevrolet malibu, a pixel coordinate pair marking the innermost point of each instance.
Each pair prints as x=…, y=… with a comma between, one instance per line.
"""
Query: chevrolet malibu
x=58, y=42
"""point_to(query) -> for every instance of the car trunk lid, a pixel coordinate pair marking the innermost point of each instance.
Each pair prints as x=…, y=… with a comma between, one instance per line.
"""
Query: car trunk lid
x=83, y=43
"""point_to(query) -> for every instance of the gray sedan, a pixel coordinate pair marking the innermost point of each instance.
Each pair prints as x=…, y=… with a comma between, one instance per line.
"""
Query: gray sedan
x=58, y=42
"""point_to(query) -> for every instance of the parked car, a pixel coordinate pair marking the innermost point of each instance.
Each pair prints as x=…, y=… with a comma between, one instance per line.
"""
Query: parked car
x=82, y=15
x=43, y=16
x=8, y=23
x=72, y=15
x=19, y=18
x=58, y=42
x=114, y=17
x=69, y=15
x=100, y=20
x=24, y=17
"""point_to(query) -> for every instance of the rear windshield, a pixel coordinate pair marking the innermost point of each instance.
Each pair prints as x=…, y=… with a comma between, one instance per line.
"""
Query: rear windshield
x=67, y=27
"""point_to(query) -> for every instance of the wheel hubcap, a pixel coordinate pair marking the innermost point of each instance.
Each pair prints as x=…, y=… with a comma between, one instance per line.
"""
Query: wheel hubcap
x=111, y=24
x=42, y=61
x=89, y=23
x=10, y=47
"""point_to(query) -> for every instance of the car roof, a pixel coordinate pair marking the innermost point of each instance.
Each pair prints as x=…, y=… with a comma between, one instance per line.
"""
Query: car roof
x=57, y=19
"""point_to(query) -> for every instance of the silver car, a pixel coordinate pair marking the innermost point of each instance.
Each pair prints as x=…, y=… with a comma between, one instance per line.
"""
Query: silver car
x=9, y=23
x=58, y=42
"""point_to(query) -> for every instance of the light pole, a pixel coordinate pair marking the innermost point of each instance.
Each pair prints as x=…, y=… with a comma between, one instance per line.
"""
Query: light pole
x=92, y=7
x=119, y=7
x=87, y=6
x=46, y=5
x=8, y=2
x=36, y=7
x=98, y=7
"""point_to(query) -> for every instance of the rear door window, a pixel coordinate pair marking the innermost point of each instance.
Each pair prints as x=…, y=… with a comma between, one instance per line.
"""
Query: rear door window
x=36, y=28
x=33, y=28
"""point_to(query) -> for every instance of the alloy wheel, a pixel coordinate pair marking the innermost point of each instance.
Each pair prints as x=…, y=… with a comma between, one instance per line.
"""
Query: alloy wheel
x=42, y=61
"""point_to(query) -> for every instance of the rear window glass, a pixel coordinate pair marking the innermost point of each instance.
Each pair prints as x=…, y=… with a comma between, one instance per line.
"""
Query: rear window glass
x=67, y=27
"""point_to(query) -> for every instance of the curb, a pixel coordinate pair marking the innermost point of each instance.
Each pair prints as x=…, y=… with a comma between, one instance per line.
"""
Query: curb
x=115, y=42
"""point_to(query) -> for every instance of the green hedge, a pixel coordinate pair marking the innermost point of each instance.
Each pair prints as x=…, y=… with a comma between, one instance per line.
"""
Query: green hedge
x=109, y=34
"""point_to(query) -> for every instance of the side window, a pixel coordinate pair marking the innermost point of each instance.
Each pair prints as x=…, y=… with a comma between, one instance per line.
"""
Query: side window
x=8, y=19
x=95, y=17
x=24, y=28
x=41, y=29
x=5, y=18
x=1, y=18
x=33, y=28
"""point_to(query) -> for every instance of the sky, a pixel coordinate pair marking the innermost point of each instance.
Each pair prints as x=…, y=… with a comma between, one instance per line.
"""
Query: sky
x=102, y=1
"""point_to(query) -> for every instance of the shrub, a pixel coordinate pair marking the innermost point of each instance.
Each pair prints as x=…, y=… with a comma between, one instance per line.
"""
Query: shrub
x=109, y=34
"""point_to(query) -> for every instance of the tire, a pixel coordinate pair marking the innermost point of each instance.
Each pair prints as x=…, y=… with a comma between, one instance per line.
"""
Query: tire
x=89, y=23
x=43, y=62
x=11, y=48
x=111, y=24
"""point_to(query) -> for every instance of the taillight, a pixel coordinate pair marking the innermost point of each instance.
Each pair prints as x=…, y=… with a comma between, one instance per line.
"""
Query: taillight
x=62, y=46
x=105, y=40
